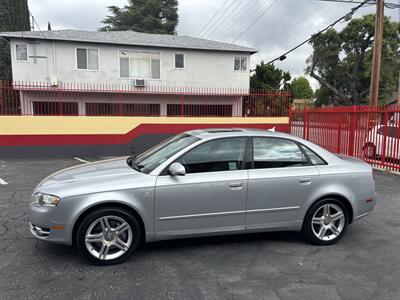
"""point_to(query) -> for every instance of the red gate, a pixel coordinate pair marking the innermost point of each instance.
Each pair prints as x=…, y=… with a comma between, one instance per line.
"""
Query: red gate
x=368, y=133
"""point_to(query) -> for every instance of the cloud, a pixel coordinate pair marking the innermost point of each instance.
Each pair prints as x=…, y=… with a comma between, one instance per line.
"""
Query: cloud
x=284, y=25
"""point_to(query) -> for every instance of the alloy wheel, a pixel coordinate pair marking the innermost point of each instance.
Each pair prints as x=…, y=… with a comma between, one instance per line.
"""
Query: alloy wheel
x=328, y=222
x=108, y=237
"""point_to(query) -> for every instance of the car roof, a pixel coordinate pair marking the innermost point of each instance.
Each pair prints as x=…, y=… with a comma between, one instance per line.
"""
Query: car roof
x=211, y=133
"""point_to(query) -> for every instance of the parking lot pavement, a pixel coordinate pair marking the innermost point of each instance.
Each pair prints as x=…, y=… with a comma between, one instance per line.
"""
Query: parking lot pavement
x=364, y=265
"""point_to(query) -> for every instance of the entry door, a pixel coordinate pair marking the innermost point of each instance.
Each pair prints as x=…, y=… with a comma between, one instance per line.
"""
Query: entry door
x=279, y=183
x=211, y=197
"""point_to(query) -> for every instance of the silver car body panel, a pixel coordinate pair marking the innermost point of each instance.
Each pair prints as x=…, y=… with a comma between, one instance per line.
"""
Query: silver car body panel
x=200, y=202
x=204, y=203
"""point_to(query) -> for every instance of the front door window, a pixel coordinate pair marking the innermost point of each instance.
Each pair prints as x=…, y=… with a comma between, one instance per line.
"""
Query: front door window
x=215, y=156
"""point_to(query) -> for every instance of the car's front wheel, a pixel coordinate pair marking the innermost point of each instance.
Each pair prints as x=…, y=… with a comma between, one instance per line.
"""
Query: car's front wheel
x=326, y=222
x=108, y=236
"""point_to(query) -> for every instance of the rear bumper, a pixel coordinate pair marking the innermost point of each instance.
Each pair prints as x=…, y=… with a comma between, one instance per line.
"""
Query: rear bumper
x=365, y=207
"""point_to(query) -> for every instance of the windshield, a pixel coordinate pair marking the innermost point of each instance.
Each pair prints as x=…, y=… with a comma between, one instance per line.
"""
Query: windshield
x=152, y=158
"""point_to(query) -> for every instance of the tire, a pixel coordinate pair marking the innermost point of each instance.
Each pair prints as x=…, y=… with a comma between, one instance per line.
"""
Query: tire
x=108, y=236
x=369, y=151
x=320, y=229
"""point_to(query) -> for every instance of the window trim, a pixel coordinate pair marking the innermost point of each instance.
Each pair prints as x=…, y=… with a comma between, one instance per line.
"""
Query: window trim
x=87, y=59
x=137, y=51
x=308, y=164
x=165, y=171
x=184, y=61
x=27, y=53
x=240, y=70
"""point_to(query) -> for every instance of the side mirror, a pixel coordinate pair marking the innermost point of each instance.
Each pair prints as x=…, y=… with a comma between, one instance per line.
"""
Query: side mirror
x=177, y=169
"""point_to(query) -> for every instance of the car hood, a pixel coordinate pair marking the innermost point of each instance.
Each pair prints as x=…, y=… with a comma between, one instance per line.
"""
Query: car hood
x=92, y=177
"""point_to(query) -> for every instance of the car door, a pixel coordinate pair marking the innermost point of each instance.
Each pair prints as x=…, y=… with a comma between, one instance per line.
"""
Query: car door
x=392, y=150
x=210, y=197
x=279, y=182
x=387, y=142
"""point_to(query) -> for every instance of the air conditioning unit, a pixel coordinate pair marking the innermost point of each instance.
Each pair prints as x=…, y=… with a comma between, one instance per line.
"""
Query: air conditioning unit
x=53, y=81
x=139, y=83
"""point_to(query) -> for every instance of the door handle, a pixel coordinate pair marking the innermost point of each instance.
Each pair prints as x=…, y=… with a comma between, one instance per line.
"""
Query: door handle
x=305, y=180
x=236, y=185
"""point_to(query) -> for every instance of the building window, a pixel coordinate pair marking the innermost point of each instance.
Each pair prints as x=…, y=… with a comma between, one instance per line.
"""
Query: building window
x=179, y=61
x=240, y=63
x=87, y=59
x=21, y=52
x=200, y=110
x=139, y=65
x=55, y=108
x=122, y=109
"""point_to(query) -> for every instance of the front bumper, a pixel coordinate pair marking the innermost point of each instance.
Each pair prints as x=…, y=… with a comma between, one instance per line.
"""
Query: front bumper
x=39, y=232
x=44, y=227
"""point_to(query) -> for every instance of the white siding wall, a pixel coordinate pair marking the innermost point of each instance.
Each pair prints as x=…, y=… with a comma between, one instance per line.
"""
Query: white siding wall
x=202, y=68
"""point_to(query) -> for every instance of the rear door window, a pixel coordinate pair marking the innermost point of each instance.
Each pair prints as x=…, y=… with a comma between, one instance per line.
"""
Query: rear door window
x=276, y=153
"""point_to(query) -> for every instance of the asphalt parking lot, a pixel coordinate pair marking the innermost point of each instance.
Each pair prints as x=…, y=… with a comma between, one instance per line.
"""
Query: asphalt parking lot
x=364, y=265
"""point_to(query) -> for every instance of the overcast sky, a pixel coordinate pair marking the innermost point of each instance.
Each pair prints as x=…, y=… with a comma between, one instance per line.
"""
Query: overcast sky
x=284, y=24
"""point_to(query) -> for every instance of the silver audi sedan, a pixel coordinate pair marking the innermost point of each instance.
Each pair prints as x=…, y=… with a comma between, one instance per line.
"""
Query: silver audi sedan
x=202, y=183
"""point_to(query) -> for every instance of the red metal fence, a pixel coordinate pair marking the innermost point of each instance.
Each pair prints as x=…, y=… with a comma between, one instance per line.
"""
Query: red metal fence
x=28, y=98
x=368, y=133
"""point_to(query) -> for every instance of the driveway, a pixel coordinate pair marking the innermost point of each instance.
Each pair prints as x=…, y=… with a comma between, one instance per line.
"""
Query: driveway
x=364, y=265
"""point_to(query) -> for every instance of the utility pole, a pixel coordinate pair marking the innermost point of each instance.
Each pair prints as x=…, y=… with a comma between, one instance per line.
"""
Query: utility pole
x=376, y=60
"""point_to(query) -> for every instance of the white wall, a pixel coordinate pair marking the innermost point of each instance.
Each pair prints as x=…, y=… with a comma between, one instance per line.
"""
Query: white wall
x=202, y=68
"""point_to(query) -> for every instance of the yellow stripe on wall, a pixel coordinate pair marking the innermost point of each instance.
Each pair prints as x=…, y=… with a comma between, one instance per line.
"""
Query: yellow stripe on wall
x=31, y=125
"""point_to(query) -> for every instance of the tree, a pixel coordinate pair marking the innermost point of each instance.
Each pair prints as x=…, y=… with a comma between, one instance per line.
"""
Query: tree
x=301, y=88
x=341, y=61
x=14, y=16
x=48, y=26
x=323, y=97
x=150, y=16
x=269, y=77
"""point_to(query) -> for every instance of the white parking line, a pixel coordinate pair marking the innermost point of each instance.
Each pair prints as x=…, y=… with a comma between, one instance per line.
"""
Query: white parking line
x=3, y=182
x=81, y=160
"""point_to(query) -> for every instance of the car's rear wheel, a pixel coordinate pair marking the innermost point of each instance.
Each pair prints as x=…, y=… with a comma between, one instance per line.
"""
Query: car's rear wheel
x=369, y=151
x=326, y=222
x=108, y=236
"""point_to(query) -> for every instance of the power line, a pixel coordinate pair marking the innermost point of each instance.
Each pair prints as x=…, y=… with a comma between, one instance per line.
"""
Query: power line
x=234, y=19
x=248, y=15
x=227, y=17
x=213, y=17
x=344, y=18
x=37, y=25
x=255, y=21
x=218, y=19
x=387, y=4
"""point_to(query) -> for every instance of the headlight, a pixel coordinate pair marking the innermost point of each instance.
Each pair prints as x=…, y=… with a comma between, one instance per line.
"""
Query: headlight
x=40, y=199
